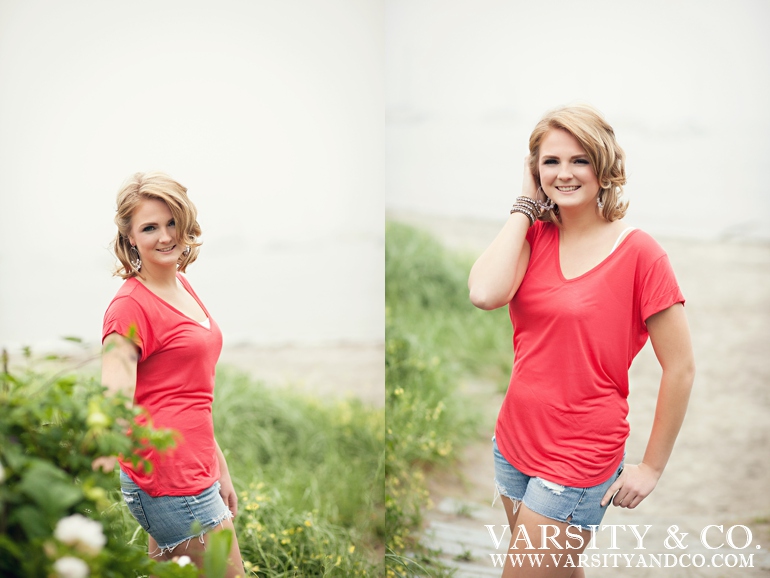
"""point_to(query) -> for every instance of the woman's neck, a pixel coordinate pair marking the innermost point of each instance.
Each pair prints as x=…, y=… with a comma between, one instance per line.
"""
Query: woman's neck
x=580, y=222
x=159, y=278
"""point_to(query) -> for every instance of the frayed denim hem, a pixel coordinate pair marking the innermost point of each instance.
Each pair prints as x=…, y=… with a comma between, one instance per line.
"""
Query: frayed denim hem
x=219, y=521
x=500, y=491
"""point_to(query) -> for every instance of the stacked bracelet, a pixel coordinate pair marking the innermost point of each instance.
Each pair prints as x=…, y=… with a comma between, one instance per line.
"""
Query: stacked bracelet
x=533, y=204
x=524, y=210
x=528, y=207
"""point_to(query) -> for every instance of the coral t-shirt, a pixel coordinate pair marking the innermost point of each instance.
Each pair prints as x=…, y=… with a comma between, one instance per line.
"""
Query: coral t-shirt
x=174, y=383
x=564, y=415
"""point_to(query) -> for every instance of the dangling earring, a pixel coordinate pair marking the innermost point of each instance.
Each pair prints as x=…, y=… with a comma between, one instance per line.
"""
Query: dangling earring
x=599, y=202
x=546, y=205
x=186, y=251
x=136, y=264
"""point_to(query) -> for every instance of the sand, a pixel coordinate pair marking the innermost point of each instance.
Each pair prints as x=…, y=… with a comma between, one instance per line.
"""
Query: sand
x=719, y=472
x=334, y=371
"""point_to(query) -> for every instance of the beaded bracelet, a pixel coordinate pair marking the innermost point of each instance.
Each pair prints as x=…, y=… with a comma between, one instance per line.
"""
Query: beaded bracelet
x=525, y=211
x=531, y=202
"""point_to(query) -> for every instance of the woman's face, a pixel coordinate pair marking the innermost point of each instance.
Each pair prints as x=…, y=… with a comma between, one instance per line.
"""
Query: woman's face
x=566, y=174
x=153, y=233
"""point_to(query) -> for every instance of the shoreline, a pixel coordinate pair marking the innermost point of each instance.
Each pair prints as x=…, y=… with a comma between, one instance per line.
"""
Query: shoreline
x=327, y=371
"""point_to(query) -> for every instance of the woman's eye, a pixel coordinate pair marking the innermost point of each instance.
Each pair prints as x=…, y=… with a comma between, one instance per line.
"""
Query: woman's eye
x=171, y=223
x=549, y=162
x=581, y=161
x=148, y=228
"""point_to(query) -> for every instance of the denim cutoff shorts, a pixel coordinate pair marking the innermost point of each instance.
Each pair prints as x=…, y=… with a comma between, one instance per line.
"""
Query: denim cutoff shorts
x=171, y=520
x=580, y=507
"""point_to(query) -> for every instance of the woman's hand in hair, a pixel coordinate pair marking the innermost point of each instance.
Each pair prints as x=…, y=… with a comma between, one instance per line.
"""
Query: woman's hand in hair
x=529, y=184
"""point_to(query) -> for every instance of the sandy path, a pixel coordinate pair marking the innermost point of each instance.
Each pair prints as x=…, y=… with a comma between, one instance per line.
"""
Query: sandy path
x=719, y=472
x=325, y=371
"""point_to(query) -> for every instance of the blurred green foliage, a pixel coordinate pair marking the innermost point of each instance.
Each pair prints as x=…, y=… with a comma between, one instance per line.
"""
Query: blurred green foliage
x=51, y=430
x=309, y=474
x=434, y=336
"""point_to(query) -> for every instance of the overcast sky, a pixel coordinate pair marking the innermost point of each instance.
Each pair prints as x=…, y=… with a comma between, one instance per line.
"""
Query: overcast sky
x=685, y=84
x=295, y=123
x=269, y=112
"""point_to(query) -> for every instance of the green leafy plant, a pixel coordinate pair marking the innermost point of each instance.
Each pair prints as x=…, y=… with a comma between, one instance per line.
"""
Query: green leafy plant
x=59, y=516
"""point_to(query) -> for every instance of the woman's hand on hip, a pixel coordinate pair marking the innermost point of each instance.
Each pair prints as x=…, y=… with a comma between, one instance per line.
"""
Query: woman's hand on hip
x=634, y=484
x=227, y=491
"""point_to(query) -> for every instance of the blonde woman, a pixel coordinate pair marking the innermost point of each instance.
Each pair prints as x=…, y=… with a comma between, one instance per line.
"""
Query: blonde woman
x=161, y=348
x=584, y=291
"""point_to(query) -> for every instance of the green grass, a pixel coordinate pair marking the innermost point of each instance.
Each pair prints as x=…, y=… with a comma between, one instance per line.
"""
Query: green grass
x=310, y=475
x=426, y=292
x=434, y=336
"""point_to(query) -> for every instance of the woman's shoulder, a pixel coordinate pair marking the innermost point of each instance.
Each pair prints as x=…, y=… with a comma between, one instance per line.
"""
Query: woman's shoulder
x=128, y=289
x=643, y=241
x=643, y=250
x=131, y=296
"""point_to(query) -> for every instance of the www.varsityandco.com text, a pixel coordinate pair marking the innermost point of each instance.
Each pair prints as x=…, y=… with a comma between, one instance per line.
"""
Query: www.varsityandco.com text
x=716, y=546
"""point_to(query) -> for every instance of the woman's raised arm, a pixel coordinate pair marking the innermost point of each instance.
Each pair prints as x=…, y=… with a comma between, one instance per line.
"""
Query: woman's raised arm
x=497, y=273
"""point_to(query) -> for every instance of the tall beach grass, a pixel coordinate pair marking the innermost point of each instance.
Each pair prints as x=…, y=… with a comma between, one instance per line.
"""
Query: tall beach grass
x=434, y=337
x=311, y=475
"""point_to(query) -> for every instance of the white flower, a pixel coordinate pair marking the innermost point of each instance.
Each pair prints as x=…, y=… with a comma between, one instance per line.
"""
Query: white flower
x=183, y=560
x=71, y=567
x=84, y=534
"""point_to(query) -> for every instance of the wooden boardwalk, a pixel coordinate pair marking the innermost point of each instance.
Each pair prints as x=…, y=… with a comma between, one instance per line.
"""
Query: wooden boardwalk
x=458, y=530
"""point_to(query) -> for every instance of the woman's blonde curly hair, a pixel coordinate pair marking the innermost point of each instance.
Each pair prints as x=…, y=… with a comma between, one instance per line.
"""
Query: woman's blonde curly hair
x=596, y=136
x=158, y=186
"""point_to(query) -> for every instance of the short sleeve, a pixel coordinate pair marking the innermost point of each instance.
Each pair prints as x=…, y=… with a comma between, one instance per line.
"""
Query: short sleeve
x=127, y=318
x=535, y=232
x=659, y=289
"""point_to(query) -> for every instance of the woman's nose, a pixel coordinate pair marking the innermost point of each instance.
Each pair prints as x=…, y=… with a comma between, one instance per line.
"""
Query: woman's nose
x=165, y=235
x=565, y=174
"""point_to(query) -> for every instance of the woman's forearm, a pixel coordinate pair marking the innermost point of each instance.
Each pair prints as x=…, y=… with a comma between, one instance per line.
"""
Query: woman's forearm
x=670, y=337
x=674, y=394
x=223, y=470
x=498, y=272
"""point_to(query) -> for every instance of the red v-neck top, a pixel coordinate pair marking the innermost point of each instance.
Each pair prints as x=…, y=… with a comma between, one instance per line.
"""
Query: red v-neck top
x=174, y=383
x=564, y=415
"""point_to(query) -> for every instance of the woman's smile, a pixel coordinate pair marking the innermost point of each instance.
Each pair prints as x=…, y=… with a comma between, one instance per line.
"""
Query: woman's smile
x=566, y=173
x=153, y=233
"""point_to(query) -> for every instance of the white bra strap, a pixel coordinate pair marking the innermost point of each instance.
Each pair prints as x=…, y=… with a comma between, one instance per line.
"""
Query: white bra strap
x=620, y=238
